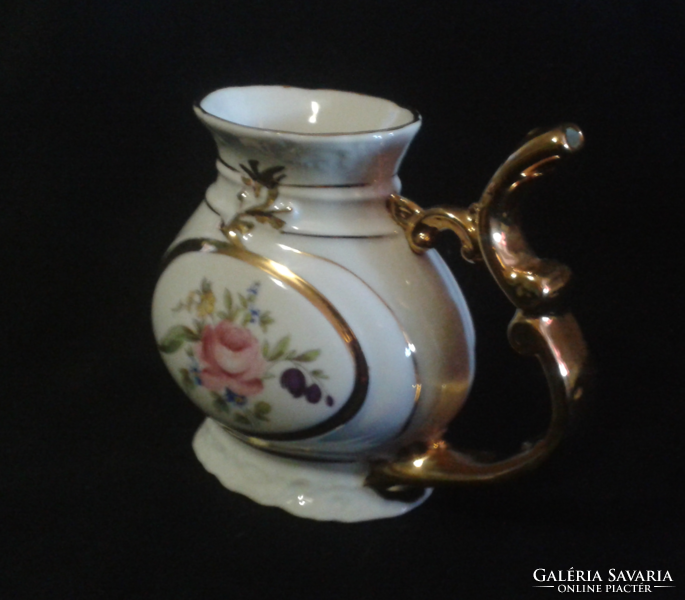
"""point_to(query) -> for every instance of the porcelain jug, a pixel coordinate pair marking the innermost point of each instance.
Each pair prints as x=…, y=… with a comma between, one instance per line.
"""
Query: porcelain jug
x=303, y=309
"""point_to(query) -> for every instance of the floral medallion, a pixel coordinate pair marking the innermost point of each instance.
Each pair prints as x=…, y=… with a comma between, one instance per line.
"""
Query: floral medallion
x=229, y=354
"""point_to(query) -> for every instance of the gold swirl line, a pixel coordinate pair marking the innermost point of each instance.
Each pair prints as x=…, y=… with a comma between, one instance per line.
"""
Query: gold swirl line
x=405, y=335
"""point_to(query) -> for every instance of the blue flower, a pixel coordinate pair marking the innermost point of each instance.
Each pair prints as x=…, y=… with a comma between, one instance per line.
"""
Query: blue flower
x=254, y=315
x=195, y=372
x=254, y=289
x=230, y=396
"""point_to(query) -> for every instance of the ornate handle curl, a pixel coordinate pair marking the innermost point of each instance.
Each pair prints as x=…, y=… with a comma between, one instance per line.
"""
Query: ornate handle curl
x=490, y=233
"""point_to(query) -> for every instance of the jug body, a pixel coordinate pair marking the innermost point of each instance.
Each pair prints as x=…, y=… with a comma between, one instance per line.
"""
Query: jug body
x=326, y=338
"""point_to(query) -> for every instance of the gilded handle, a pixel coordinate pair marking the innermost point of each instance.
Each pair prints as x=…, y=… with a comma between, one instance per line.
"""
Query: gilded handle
x=490, y=233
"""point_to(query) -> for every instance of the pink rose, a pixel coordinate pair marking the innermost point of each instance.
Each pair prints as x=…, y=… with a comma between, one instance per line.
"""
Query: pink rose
x=230, y=357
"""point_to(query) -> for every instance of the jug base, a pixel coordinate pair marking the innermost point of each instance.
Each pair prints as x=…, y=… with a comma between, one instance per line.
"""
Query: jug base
x=313, y=490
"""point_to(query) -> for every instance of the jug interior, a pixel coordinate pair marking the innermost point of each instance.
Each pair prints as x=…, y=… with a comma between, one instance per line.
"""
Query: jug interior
x=304, y=111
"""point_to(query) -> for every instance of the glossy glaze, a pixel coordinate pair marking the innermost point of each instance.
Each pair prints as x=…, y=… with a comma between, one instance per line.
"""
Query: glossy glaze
x=337, y=235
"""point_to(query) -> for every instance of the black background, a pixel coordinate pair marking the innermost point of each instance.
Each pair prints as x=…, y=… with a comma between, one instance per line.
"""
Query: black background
x=103, y=161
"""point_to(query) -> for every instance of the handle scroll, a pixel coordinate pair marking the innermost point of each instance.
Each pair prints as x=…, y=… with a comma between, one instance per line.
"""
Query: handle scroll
x=490, y=233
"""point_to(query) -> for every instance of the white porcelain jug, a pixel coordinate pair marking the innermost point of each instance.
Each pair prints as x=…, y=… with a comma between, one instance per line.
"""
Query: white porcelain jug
x=302, y=309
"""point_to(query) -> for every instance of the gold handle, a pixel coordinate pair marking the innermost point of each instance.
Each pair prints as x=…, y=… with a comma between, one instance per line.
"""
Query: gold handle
x=490, y=233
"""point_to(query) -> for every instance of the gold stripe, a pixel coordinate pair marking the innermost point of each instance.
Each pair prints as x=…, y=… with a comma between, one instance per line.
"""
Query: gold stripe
x=320, y=302
x=339, y=237
x=332, y=185
x=307, y=185
x=306, y=454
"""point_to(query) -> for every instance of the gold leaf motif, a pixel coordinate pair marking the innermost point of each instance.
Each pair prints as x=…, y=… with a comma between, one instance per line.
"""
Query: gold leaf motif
x=262, y=213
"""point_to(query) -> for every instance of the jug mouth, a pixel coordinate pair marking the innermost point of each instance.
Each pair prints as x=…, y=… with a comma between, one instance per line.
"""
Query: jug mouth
x=305, y=112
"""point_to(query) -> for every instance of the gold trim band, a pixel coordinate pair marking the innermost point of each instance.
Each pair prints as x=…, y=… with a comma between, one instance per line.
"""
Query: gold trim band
x=305, y=185
x=339, y=237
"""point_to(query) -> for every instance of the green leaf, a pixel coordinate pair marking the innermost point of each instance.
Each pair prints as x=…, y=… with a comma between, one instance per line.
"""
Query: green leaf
x=175, y=338
x=246, y=319
x=280, y=348
x=222, y=314
x=205, y=286
x=228, y=301
x=292, y=354
x=308, y=356
x=187, y=380
x=265, y=349
x=242, y=419
x=265, y=320
x=220, y=405
x=319, y=374
x=262, y=408
x=243, y=301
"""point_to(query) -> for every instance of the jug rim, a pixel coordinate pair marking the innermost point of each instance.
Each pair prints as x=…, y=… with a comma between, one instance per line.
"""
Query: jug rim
x=205, y=114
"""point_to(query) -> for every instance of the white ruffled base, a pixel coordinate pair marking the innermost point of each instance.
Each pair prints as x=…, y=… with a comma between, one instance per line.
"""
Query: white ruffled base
x=322, y=491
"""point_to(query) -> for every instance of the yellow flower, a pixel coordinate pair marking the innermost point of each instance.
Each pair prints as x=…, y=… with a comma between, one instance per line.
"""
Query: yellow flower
x=205, y=306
